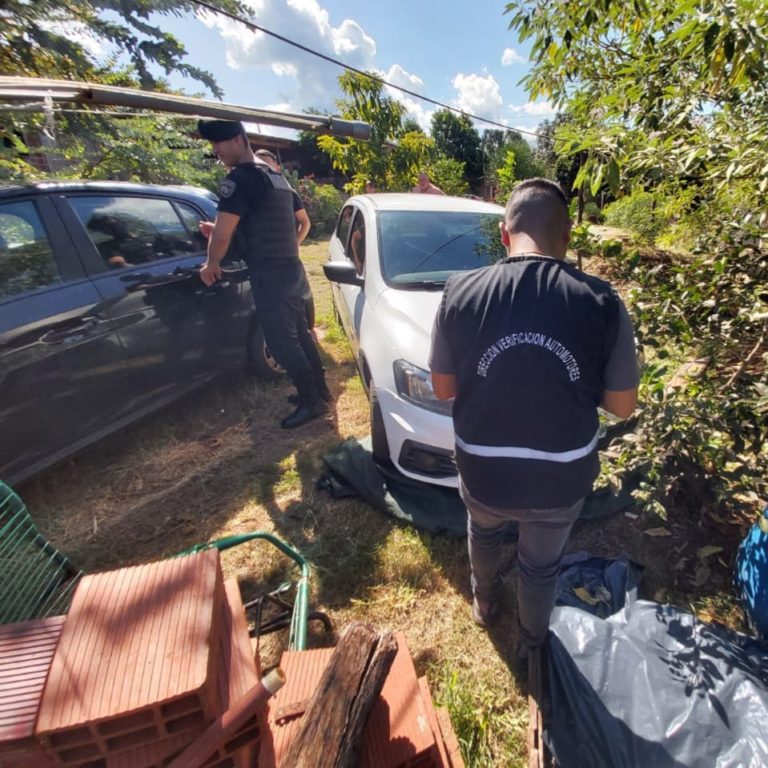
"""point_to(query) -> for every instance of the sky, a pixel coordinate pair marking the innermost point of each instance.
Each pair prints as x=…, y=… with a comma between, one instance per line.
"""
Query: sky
x=461, y=53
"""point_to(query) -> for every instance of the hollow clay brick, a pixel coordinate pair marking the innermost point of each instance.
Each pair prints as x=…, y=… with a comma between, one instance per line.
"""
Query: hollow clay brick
x=426, y=696
x=26, y=652
x=398, y=733
x=135, y=660
x=238, y=671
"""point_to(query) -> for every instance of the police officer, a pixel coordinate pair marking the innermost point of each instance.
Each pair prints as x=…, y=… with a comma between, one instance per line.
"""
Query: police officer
x=529, y=347
x=256, y=204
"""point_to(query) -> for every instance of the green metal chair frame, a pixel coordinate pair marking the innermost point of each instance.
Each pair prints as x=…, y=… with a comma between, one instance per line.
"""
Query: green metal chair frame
x=37, y=580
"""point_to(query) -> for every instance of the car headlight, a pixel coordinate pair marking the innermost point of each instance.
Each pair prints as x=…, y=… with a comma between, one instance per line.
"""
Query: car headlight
x=415, y=385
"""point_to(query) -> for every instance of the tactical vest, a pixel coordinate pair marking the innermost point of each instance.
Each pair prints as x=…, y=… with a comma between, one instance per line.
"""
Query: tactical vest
x=266, y=238
x=534, y=335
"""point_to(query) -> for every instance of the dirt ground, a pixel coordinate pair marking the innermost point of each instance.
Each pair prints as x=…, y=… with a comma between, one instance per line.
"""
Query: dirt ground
x=218, y=463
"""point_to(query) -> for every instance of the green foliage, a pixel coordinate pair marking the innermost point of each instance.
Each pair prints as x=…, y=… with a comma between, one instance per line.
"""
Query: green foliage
x=365, y=159
x=43, y=38
x=701, y=439
x=506, y=176
x=457, y=138
x=448, y=174
x=496, y=146
x=641, y=212
x=657, y=90
x=323, y=203
x=414, y=151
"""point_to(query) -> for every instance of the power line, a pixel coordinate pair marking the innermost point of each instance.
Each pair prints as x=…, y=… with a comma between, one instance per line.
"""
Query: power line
x=257, y=28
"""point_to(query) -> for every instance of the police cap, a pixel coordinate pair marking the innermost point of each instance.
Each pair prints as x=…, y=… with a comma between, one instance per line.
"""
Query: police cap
x=219, y=130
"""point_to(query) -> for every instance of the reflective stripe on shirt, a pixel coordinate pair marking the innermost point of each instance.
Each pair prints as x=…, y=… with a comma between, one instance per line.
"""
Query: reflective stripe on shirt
x=515, y=452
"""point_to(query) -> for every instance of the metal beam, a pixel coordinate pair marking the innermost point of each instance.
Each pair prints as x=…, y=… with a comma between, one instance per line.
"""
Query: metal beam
x=28, y=88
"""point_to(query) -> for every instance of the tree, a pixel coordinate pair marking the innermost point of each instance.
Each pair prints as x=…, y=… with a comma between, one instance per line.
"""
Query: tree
x=662, y=90
x=497, y=145
x=411, y=126
x=457, y=138
x=40, y=38
x=449, y=174
x=391, y=158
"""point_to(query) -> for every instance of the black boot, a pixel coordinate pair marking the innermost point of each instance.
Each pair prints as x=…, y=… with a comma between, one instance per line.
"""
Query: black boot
x=303, y=414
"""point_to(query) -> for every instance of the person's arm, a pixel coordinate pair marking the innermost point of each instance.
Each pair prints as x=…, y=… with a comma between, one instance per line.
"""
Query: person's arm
x=621, y=372
x=303, y=224
x=218, y=243
x=444, y=385
x=620, y=403
x=440, y=357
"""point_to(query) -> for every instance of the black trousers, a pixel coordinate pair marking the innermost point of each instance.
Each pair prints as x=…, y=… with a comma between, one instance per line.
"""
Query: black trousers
x=284, y=322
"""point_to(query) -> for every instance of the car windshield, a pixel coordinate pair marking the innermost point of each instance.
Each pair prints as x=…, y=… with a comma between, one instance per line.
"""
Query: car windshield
x=424, y=248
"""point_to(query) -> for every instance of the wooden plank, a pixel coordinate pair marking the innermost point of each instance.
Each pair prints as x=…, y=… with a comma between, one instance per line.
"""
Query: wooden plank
x=331, y=730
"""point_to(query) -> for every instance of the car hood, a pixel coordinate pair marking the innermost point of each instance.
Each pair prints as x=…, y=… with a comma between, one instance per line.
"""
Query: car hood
x=407, y=318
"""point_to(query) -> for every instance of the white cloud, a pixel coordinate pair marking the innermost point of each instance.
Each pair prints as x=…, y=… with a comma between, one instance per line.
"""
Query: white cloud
x=415, y=107
x=511, y=56
x=479, y=95
x=80, y=34
x=309, y=82
x=534, y=108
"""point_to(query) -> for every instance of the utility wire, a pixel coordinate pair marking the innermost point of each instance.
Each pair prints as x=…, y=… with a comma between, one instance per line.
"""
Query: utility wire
x=257, y=28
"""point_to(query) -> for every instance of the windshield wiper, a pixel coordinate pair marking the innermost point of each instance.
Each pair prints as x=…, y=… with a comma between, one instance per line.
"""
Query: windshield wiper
x=447, y=242
x=430, y=285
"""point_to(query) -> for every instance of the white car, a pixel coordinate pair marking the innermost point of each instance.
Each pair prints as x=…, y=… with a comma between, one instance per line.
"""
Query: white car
x=390, y=256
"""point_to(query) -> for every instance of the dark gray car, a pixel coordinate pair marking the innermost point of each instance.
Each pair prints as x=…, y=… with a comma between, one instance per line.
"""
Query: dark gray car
x=103, y=316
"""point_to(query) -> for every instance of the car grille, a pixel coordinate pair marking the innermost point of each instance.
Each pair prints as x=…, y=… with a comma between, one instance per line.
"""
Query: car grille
x=427, y=460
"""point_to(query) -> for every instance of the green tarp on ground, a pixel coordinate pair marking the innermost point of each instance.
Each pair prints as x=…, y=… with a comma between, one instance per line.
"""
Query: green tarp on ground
x=353, y=472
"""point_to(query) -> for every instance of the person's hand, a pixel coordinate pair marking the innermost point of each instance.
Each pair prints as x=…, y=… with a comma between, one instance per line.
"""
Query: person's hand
x=210, y=273
x=205, y=227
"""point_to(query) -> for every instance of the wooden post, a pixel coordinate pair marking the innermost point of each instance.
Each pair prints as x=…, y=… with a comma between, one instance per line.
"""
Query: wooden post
x=332, y=727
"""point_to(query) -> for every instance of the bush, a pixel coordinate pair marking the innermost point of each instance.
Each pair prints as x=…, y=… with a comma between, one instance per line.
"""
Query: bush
x=641, y=212
x=323, y=203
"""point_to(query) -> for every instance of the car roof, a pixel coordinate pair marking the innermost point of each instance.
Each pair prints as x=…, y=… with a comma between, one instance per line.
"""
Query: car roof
x=125, y=187
x=409, y=201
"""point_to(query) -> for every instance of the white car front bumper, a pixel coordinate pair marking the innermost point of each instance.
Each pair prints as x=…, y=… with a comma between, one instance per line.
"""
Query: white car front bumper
x=421, y=442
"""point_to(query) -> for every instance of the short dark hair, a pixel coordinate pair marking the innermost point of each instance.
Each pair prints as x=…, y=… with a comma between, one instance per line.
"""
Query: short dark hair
x=536, y=205
x=266, y=153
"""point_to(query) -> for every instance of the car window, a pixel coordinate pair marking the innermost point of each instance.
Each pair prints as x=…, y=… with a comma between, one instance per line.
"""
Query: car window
x=342, y=226
x=356, y=249
x=419, y=247
x=133, y=230
x=191, y=218
x=26, y=258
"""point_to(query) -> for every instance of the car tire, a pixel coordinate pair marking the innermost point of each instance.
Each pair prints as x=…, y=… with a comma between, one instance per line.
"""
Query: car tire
x=260, y=362
x=379, y=444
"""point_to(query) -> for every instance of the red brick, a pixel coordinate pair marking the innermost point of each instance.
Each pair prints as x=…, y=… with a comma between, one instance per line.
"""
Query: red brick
x=237, y=673
x=26, y=652
x=455, y=760
x=135, y=660
x=426, y=696
x=397, y=735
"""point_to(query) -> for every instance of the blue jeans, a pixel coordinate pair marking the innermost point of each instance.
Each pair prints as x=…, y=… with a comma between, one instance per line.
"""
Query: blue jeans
x=540, y=546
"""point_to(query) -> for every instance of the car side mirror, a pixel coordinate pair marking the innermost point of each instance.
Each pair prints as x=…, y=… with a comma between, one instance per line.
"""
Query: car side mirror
x=343, y=272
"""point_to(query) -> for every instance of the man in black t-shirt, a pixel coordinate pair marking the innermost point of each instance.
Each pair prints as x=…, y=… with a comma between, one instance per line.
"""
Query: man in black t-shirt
x=257, y=203
x=529, y=348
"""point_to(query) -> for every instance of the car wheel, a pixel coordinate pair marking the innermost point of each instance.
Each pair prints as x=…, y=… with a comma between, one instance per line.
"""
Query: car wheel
x=260, y=361
x=379, y=445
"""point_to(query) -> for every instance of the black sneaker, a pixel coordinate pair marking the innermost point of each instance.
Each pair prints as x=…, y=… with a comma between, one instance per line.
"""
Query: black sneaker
x=303, y=414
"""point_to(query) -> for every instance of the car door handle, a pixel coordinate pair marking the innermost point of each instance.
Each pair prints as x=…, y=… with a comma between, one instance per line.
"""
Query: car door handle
x=69, y=329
